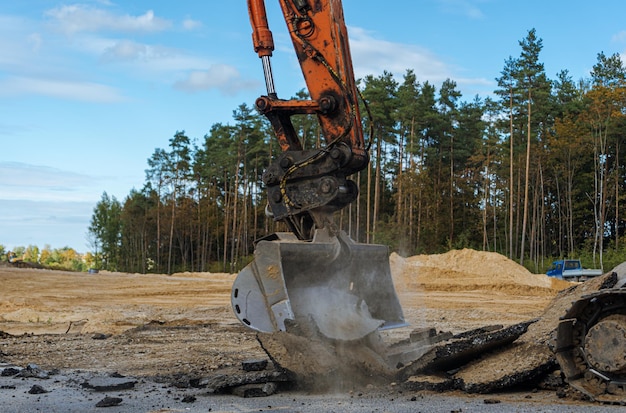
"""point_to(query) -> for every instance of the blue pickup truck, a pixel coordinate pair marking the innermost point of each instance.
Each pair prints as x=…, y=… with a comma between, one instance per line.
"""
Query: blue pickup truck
x=571, y=270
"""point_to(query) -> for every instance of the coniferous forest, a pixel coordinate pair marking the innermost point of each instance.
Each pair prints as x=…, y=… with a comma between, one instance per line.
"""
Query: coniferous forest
x=534, y=172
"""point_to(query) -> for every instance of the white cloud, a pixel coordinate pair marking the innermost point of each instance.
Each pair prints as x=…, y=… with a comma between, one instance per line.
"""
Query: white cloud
x=44, y=62
x=21, y=181
x=468, y=8
x=619, y=37
x=222, y=77
x=125, y=50
x=190, y=24
x=35, y=40
x=57, y=224
x=17, y=42
x=63, y=89
x=44, y=205
x=83, y=18
x=142, y=58
x=373, y=56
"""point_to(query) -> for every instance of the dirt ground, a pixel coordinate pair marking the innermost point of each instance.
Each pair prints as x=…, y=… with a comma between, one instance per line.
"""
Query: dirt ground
x=159, y=325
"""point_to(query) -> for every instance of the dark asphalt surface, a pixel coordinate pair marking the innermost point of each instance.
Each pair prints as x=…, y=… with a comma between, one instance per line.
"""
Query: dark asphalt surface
x=65, y=393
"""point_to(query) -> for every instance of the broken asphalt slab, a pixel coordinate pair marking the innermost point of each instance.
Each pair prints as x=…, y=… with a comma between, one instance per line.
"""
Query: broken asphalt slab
x=64, y=394
x=108, y=383
x=76, y=391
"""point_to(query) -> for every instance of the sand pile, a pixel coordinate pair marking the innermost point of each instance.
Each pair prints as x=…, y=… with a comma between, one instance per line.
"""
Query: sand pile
x=468, y=270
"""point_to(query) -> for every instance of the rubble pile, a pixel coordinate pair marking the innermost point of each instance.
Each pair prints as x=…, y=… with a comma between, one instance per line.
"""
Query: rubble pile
x=484, y=360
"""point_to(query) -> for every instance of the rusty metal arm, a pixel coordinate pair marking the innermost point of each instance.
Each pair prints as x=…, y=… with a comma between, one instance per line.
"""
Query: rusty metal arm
x=306, y=187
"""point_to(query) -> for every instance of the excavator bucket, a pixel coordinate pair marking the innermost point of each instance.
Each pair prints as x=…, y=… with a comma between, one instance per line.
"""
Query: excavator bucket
x=344, y=289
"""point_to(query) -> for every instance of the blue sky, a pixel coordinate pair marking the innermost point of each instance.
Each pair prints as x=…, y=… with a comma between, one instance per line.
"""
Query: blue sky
x=89, y=89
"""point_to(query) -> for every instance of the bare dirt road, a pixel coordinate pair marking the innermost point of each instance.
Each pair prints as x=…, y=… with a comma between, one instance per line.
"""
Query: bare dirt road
x=168, y=328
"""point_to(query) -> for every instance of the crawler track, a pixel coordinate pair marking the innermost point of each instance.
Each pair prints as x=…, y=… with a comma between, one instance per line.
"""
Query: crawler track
x=591, y=345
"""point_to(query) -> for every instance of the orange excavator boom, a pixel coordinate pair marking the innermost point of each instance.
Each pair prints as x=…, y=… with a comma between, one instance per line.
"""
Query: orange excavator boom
x=316, y=274
x=306, y=187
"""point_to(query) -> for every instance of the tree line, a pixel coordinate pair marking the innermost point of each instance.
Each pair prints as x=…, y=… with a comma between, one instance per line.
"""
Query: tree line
x=65, y=258
x=533, y=172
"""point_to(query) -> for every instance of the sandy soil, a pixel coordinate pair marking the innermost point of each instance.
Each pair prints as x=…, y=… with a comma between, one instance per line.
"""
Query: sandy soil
x=183, y=324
